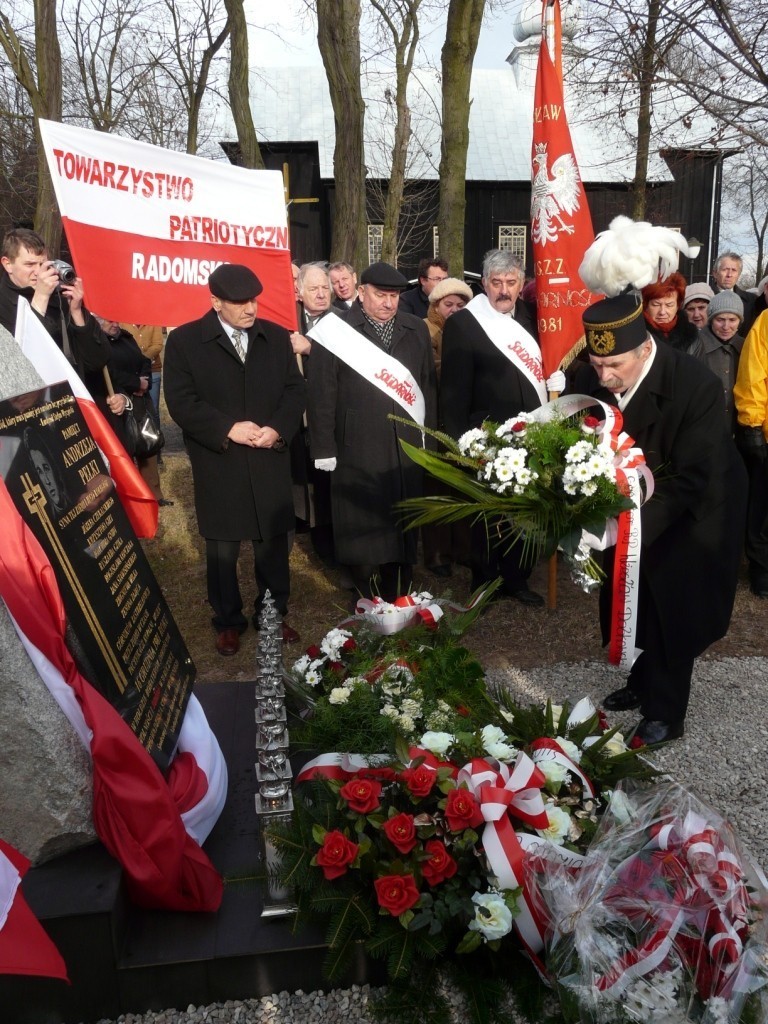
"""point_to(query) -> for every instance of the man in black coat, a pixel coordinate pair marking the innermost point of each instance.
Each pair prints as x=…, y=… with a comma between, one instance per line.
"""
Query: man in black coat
x=430, y=273
x=352, y=437
x=479, y=382
x=58, y=306
x=692, y=526
x=233, y=386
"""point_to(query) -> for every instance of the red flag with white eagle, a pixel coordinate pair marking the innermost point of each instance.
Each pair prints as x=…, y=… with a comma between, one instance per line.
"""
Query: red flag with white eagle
x=561, y=226
x=53, y=366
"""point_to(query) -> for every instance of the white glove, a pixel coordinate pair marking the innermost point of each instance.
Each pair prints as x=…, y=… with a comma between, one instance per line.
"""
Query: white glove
x=326, y=464
x=556, y=382
x=606, y=540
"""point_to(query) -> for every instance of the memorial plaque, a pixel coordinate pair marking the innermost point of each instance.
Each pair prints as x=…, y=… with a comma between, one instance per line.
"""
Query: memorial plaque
x=60, y=485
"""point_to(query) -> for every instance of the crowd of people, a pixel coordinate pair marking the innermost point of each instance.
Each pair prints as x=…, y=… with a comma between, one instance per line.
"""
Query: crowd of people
x=303, y=429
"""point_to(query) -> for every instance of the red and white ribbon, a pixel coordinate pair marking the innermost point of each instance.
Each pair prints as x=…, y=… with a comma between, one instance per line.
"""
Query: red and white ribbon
x=546, y=749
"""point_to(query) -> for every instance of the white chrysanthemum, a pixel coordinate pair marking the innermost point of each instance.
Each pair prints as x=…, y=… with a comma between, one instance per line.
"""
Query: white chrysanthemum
x=559, y=824
x=333, y=642
x=569, y=487
x=517, y=459
x=301, y=664
x=654, y=998
x=568, y=748
x=503, y=470
x=525, y=476
x=473, y=442
x=339, y=695
x=493, y=918
x=589, y=488
x=578, y=452
x=390, y=711
x=437, y=742
x=312, y=677
x=582, y=472
x=411, y=707
x=596, y=464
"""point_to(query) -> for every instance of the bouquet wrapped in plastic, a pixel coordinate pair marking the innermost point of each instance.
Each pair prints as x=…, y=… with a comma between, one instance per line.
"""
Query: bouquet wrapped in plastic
x=665, y=921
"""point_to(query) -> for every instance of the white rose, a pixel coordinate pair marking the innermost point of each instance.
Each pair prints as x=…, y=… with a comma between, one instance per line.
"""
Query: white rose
x=568, y=748
x=301, y=664
x=492, y=734
x=615, y=745
x=339, y=695
x=557, y=714
x=554, y=772
x=559, y=824
x=437, y=742
x=501, y=751
x=493, y=918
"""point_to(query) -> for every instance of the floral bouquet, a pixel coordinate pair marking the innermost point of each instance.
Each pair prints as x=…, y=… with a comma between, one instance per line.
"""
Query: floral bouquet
x=419, y=853
x=664, y=923
x=544, y=477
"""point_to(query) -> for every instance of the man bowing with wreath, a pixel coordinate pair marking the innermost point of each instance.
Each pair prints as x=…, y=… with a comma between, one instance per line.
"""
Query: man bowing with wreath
x=367, y=364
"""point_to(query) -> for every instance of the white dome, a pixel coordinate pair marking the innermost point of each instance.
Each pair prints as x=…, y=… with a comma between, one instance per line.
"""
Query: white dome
x=527, y=23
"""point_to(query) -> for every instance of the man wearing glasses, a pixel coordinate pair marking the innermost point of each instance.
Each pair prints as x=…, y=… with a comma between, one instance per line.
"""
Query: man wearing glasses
x=416, y=300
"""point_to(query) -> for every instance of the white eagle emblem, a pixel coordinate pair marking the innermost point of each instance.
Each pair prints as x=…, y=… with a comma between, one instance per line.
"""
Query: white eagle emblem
x=551, y=196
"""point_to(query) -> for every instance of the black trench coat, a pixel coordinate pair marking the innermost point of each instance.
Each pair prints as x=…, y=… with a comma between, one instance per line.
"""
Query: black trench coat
x=348, y=419
x=241, y=493
x=693, y=526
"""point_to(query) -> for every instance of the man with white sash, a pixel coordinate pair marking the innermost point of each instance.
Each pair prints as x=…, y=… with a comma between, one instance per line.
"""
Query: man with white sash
x=691, y=529
x=367, y=364
x=491, y=370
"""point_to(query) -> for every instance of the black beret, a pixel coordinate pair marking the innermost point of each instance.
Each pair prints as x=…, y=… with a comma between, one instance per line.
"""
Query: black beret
x=234, y=283
x=383, y=275
x=615, y=326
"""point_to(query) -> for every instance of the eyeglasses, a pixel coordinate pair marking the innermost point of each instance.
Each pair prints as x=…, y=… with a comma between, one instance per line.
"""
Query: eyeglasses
x=445, y=278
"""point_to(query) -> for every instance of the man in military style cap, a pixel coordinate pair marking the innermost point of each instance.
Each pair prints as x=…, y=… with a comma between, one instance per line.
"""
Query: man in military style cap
x=352, y=437
x=233, y=386
x=692, y=526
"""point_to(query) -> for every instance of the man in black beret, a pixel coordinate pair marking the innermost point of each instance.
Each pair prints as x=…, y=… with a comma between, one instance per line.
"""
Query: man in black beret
x=691, y=528
x=233, y=386
x=352, y=437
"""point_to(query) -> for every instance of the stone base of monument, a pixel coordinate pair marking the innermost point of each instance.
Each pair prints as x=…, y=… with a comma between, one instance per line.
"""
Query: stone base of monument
x=122, y=959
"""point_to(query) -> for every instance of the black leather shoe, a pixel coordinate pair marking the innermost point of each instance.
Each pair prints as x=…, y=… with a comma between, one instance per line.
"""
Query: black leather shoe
x=650, y=731
x=526, y=596
x=621, y=700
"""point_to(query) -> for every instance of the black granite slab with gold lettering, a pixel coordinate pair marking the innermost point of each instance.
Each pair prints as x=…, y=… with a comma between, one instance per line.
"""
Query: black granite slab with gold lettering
x=135, y=654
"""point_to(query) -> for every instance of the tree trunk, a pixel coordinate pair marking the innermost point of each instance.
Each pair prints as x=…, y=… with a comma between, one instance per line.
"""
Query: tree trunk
x=338, y=37
x=198, y=93
x=647, y=71
x=462, y=32
x=239, y=93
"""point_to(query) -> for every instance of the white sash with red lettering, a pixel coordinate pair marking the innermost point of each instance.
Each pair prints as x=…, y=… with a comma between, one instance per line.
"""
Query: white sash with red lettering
x=512, y=340
x=373, y=364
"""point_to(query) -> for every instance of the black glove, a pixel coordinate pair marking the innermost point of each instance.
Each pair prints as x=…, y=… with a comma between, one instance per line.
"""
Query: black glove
x=753, y=443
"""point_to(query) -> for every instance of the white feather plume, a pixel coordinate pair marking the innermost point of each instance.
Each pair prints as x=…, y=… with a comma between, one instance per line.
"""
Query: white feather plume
x=630, y=254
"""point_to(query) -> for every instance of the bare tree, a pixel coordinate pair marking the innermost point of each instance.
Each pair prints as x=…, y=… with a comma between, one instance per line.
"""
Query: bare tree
x=37, y=68
x=338, y=36
x=239, y=92
x=399, y=21
x=462, y=33
x=746, y=188
x=18, y=160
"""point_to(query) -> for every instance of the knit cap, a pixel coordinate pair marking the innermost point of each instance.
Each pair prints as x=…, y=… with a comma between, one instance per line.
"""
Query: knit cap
x=726, y=302
x=700, y=290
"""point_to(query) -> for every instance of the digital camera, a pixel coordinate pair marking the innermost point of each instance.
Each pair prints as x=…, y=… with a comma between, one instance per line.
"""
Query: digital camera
x=65, y=271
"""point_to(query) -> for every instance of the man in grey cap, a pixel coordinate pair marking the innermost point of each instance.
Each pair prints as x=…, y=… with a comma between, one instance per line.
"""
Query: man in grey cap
x=352, y=437
x=233, y=386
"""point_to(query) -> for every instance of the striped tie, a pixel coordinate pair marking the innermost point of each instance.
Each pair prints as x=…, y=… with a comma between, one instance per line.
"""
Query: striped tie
x=239, y=346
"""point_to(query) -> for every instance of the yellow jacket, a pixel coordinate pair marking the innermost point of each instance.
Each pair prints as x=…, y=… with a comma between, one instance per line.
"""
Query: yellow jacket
x=750, y=392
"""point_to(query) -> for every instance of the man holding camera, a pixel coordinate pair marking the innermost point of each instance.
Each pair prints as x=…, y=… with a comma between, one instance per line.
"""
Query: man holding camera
x=57, y=303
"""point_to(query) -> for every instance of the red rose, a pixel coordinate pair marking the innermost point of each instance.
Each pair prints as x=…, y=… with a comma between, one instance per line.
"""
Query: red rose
x=636, y=743
x=349, y=644
x=462, y=810
x=314, y=651
x=602, y=720
x=401, y=832
x=362, y=795
x=440, y=865
x=336, y=854
x=462, y=710
x=519, y=426
x=336, y=666
x=396, y=893
x=591, y=422
x=419, y=780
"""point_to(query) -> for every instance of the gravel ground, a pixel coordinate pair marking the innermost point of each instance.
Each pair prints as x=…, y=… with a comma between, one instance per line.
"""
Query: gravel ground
x=722, y=757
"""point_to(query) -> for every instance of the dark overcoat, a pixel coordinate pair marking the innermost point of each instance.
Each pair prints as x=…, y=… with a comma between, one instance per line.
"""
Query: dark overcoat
x=348, y=421
x=241, y=493
x=693, y=526
x=477, y=382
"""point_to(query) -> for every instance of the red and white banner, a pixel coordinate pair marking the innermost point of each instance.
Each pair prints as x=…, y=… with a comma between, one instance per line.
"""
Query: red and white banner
x=146, y=226
x=561, y=226
x=53, y=366
x=25, y=948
